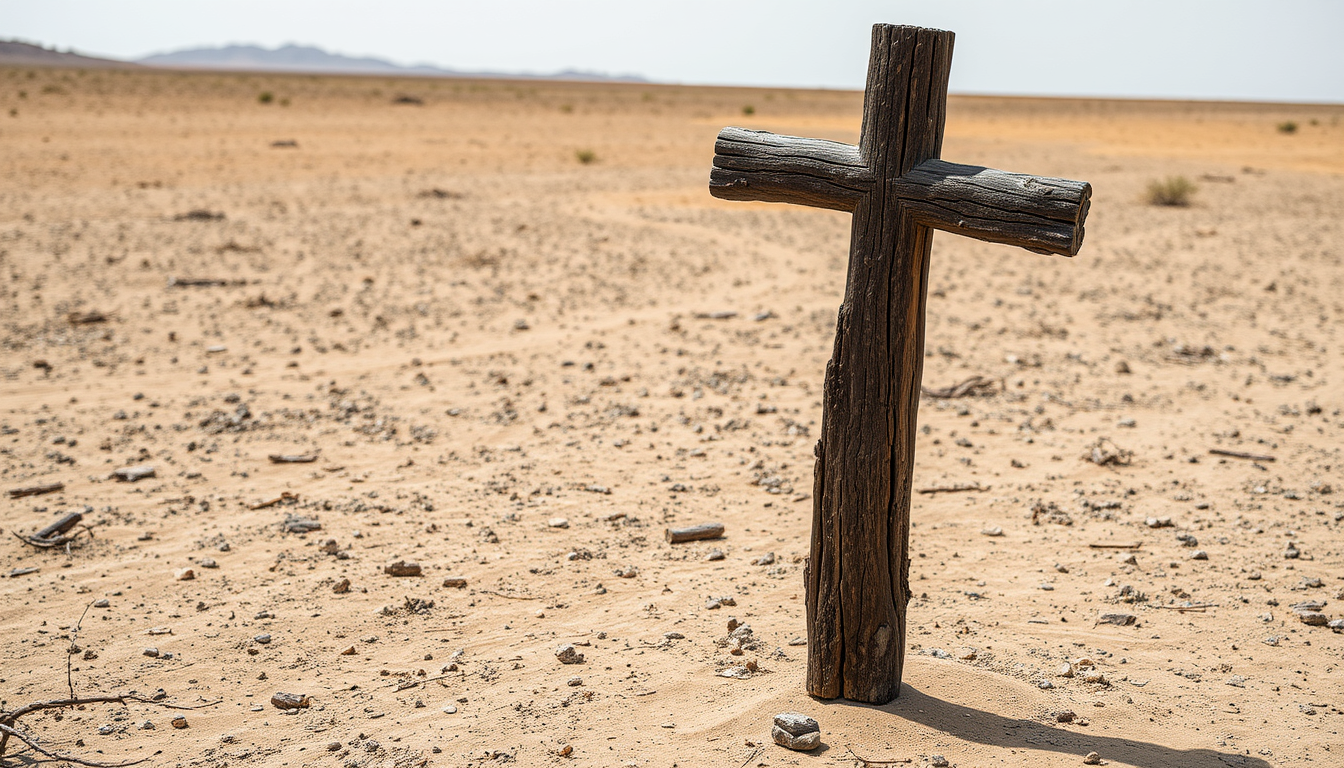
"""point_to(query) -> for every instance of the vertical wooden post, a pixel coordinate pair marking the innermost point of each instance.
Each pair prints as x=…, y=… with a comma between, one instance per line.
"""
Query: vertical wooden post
x=857, y=575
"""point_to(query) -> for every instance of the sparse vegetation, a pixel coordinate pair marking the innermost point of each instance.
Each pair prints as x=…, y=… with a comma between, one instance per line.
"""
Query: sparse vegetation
x=1287, y=126
x=748, y=110
x=1174, y=191
x=566, y=108
x=585, y=156
x=265, y=97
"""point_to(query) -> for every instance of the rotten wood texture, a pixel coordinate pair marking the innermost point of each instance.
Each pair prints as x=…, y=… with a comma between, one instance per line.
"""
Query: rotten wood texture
x=35, y=490
x=695, y=533
x=857, y=577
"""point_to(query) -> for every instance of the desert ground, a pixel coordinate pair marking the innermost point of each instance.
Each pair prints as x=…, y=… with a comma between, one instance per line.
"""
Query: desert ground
x=516, y=369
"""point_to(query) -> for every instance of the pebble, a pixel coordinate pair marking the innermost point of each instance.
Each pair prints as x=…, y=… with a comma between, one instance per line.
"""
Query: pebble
x=558, y=522
x=1199, y=554
x=796, y=731
x=567, y=654
x=281, y=700
x=1129, y=559
x=147, y=726
x=1092, y=758
x=455, y=582
x=767, y=559
x=1118, y=619
x=1292, y=552
x=1067, y=716
x=132, y=474
x=798, y=641
x=574, y=682
x=208, y=562
x=333, y=746
x=402, y=568
x=937, y=761
x=184, y=574
x=179, y=722
x=341, y=587
x=714, y=554
x=1045, y=685
x=993, y=530
x=450, y=710
x=349, y=651
x=152, y=653
x=1312, y=618
x=1187, y=540
x=628, y=572
x=1158, y=522
x=1065, y=670
x=102, y=603
x=262, y=639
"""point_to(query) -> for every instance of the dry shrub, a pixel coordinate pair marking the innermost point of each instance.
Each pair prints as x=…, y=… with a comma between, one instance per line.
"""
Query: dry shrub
x=1174, y=190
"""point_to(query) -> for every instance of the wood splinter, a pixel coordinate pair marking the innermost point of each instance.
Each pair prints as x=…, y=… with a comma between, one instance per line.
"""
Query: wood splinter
x=54, y=535
x=695, y=533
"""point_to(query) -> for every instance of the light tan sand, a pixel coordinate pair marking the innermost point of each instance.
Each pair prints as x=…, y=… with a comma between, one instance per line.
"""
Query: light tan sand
x=535, y=339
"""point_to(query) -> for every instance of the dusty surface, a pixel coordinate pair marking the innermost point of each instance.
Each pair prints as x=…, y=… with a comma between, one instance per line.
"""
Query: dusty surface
x=532, y=342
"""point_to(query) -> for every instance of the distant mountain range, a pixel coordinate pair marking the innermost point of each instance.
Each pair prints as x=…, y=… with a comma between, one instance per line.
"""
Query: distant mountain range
x=287, y=58
x=20, y=54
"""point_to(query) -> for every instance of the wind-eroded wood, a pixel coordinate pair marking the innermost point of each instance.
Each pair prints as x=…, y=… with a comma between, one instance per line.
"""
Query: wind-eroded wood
x=899, y=191
x=695, y=533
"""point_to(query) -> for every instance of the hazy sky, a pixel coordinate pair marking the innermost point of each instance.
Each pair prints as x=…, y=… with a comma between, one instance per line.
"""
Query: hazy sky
x=1288, y=50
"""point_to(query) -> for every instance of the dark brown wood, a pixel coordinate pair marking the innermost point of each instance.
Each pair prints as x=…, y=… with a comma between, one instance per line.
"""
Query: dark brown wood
x=857, y=577
x=695, y=533
x=36, y=490
x=1240, y=455
x=299, y=458
x=60, y=526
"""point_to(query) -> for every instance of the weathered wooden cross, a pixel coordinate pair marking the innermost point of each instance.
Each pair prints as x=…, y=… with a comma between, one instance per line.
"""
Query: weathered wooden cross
x=898, y=192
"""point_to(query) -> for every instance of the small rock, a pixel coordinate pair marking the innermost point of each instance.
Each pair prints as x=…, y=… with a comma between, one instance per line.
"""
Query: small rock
x=455, y=582
x=1045, y=685
x=208, y=562
x=1199, y=554
x=767, y=559
x=558, y=522
x=402, y=568
x=628, y=572
x=281, y=700
x=798, y=641
x=101, y=603
x=184, y=574
x=152, y=653
x=1312, y=618
x=796, y=731
x=567, y=654
x=967, y=655
x=262, y=639
x=349, y=651
x=993, y=530
x=1062, y=568
x=1065, y=670
x=1187, y=540
x=574, y=682
x=937, y=761
x=1236, y=681
x=1067, y=716
x=333, y=746
x=1129, y=558
x=1292, y=552
x=1337, y=625
x=714, y=554
x=132, y=474
x=1158, y=522
x=1118, y=619
x=450, y=710
x=341, y=587
x=179, y=722
x=148, y=725
x=1092, y=758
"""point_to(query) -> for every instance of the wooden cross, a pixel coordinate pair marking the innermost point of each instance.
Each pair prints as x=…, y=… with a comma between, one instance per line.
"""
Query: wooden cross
x=898, y=192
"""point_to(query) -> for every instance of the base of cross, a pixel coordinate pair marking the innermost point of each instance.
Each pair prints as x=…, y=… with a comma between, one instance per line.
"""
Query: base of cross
x=898, y=191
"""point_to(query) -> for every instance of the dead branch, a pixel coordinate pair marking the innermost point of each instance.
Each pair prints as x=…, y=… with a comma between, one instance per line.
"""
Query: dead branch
x=7, y=731
x=972, y=387
x=868, y=761
x=1240, y=455
x=36, y=490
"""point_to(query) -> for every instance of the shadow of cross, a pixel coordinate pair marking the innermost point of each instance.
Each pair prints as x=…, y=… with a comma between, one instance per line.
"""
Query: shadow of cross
x=898, y=192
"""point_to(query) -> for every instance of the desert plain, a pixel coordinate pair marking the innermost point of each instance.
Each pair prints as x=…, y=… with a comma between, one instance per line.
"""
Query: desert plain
x=518, y=340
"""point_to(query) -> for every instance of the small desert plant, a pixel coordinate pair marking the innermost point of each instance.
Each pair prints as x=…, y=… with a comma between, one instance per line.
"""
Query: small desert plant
x=748, y=110
x=566, y=108
x=1287, y=126
x=585, y=156
x=1174, y=190
x=265, y=97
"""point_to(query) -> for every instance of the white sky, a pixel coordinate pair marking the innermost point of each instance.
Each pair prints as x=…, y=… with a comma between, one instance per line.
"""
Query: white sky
x=1279, y=50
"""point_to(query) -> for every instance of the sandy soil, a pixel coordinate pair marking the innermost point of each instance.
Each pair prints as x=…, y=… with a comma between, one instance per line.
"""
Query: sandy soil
x=476, y=334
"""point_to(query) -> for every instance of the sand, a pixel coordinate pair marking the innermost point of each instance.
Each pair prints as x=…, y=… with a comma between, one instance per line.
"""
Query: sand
x=476, y=334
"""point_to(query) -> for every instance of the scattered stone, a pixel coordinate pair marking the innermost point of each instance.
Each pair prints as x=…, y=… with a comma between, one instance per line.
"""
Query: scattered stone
x=333, y=746
x=796, y=731
x=1065, y=670
x=281, y=700
x=1044, y=685
x=262, y=639
x=179, y=722
x=767, y=559
x=1092, y=758
x=450, y=710
x=349, y=651
x=937, y=761
x=694, y=533
x=628, y=572
x=184, y=574
x=967, y=655
x=455, y=582
x=574, y=682
x=402, y=568
x=1199, y=554
x=1187, y=540
x=1236, y=681
x=1067, y=716
x=296, y=524
x=132, y=474
x=152, y=653
x=1158, y=522
x=341, y=587
x=714, y=555
x=1061, y=568
x=1312, y=618
x=1118, y=619
x=568, y=654
x=148, y=725
x=993, y=530
x=102, y=603
x=798, y=641
x=1129, y=558
x=558, y=522
x=1292, y=552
